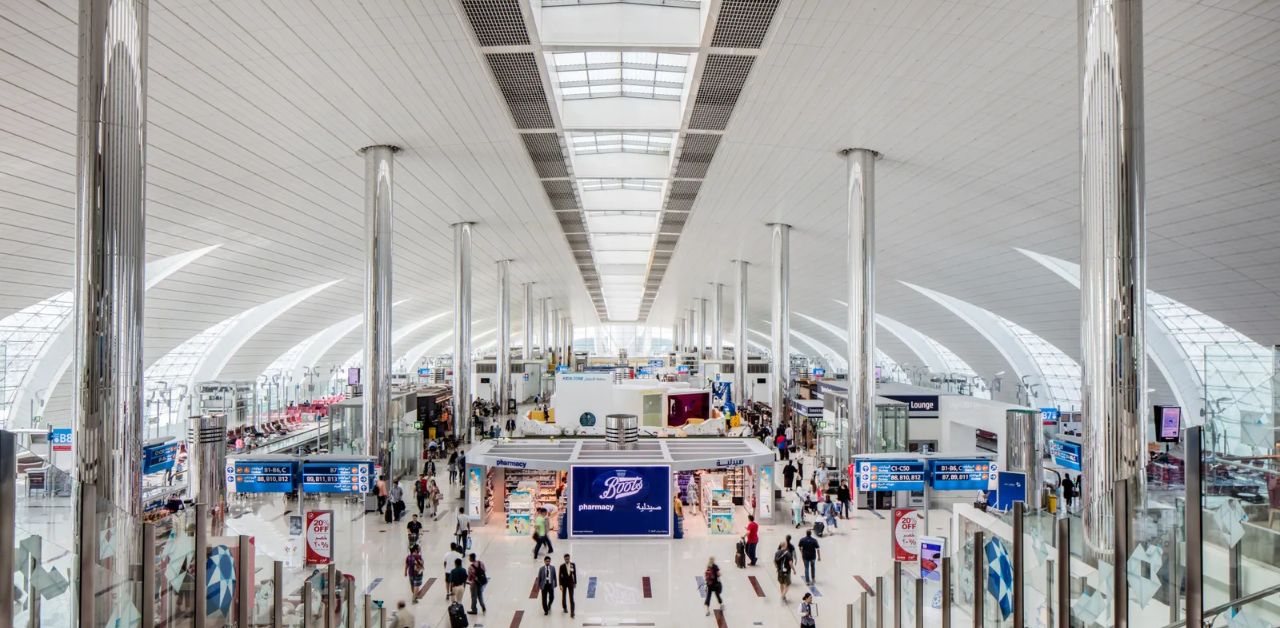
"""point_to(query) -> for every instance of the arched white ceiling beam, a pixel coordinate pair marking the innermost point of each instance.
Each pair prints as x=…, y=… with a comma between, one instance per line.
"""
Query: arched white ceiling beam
x=1058, y=378
x=887, y=362
x=55, y=357
x=308, y=352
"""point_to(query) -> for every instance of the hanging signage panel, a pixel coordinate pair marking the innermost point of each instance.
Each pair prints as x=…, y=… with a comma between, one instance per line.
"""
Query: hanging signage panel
x=620, y=501
x=918, y=406
x=889, y=475
x=960, y=475
x=61, y=438
x=159, y=457
x=1065, y=454
x=353, y=476
x=256, y=476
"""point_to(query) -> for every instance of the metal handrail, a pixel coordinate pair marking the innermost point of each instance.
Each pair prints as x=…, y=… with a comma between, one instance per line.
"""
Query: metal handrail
x=1212, y=613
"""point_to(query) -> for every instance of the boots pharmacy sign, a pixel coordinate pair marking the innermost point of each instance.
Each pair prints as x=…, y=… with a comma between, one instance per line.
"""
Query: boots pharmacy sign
x=620, y=501
x=319, y=537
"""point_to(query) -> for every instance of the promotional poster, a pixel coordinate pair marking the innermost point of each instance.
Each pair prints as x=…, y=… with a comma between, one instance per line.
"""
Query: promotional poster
x=906, y=540
x=620, y=501
x=319, y=537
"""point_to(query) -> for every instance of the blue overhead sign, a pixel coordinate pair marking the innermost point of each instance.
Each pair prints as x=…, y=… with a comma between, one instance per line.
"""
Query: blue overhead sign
x=338, y=476
x=889, y=475
x=1049, y=416
x=960, y=474
x=159, y=457
x=657, y=362
x=620, y=501
x=260, y=476
x=1065, y=454
x=1011, y=487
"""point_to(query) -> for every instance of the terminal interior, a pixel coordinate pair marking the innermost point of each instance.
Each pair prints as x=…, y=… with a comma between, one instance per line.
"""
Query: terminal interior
x=739, y=312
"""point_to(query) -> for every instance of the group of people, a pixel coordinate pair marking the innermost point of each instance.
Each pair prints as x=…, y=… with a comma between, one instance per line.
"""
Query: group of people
x=784, y=563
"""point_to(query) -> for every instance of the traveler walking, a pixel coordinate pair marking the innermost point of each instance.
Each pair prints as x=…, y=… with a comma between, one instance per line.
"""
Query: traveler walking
x=808, y=611
x=477, y=579
x=789, y=475
x=396, y=501
x=414, y=527
x=797, y=510
x=810, y=553
x=462, y=529
x=712, y=579
x=403, y=617
x=434, y=496
x=753, y=538
x=541, y=533
x=568, y=580
x=457, y=581
x=829, y=512
x=449, y=557
x=420, y=493
x=413, y=570
x=784, y=563
x=547, y=584
x=453, y=467
x=845, y=496
x=381, y=491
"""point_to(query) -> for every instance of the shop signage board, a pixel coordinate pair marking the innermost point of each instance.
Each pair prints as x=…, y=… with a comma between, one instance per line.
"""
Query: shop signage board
x=620, y=501
x=1049, y=416
x=351, y=476
x=260, y=476
x=319, y=537
x=932, y=549
x=1065, y=454
x=960, y=474
x=159, y=457
x=889, y=475
x=1011, y=486
x=918, y=406
x=61, y=438
x=906, y=531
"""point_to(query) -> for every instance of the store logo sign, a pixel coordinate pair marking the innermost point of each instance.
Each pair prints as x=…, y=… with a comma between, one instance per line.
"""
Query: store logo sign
x=732, y=462
x=515, y=464
x=618, y=487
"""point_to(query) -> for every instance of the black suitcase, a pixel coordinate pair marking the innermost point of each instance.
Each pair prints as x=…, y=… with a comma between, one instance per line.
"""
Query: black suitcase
x=740, y=554
x=457, y=616
x=819, y=528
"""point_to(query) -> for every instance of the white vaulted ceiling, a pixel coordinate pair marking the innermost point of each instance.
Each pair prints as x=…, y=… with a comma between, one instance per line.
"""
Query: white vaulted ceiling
x=256, y=110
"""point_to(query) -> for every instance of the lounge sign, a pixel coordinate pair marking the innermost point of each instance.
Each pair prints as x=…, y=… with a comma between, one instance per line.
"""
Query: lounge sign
x=919, y=406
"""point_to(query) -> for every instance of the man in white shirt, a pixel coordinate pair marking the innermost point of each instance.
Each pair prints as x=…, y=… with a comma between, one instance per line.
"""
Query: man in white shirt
x=454, y=553
x=462, y=528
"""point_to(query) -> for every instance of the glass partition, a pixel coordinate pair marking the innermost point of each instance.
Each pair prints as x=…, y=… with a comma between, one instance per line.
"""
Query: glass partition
x=890, y=428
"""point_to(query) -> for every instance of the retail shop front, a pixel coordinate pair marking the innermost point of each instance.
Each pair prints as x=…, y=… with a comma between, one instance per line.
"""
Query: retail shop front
x=592, y=490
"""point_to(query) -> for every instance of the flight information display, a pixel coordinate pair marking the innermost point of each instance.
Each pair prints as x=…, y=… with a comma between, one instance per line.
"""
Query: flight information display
x=889, y=475
x=960, y=474
x=261, y=476
x=338, y=476
x=158, y=457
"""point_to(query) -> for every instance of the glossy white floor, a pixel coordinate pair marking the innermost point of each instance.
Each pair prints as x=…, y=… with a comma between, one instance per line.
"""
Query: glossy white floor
x=371, y=550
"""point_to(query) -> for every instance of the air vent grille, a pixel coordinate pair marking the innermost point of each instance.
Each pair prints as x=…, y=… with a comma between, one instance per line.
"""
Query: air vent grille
x=517, y=76
x=673, y=222
x=695, y=155
x=743, y=23
x=723, y=77
x=547, y=154
x=498, y=22
x=561, y=194
x=571, y=222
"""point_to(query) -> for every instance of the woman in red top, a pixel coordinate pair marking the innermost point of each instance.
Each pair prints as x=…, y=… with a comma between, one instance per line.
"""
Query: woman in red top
x=753, y=538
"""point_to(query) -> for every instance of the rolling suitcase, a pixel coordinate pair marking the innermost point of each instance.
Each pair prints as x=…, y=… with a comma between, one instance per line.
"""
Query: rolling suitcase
x=457, y=616
x=819, y=528
x=740, y=555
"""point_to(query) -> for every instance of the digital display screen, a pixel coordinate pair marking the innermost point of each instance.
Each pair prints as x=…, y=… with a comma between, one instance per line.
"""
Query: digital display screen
x=1168, y=423
x=353, y=376
x=959, y=475
x=1065, y=454
x=159, y=457
x=337, y=477
x=682, y=407
x=255, y=476
x=889, y=475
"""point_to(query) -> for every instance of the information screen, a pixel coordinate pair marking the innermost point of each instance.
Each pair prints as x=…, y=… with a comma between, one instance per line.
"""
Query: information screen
x=960, y=475
x=1065, y=454
x=159, y=457
x=889, y=475
x=683, y=407
x=354, y=476
x=258, y=476
x=1168, y=423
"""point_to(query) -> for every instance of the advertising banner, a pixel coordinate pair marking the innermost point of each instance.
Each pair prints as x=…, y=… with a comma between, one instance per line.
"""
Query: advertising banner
x=906, y=540
x=889, y=475
x=475, y=491
x=764, y=503
x=61, y=438
x=918, y=406
x=319, y=537
x=1065, y=454
x=960, y=474
x=620, y=501
x=932, y=548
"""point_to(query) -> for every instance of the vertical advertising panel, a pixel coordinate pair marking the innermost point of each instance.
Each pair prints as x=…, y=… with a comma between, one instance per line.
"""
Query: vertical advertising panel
x=906, y=535
x=319, y=537
x=475, y=491
x=764, y=490
x=620, y=501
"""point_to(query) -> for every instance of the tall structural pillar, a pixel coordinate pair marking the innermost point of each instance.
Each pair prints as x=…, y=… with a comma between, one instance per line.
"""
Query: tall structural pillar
x=717, y=316
x=503, y=391
x=527, y=352
x=462, y=330
x=544, y=330
x=861, y=196
x=691, y=337
x=379, y=170
x=741, y=382
x=781, y=319
x=702, y=328
x=1112, y=281
x=679, y=337
x=110, y=257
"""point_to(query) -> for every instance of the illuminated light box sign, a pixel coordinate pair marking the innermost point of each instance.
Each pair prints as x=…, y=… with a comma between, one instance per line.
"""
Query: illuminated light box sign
x=1065, y=454
x=620, y=501
x=258, y=476
x=61, y=438
x=889, y=475
x=960, y=475
x=157, y=457
x=338, y=476
x=919, y=406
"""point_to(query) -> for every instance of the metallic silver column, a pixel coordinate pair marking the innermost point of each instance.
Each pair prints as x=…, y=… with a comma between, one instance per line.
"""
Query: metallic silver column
x=740, y=380
x=678, y=338
x=1113, y=278
x=702, y=328
x=717, y=318
x=781, y=318
x=690, y=337
x=553, y=327
x=544, y=327
x=861, y=260
x=207, y=459
x=527, y=352
x=1024, y=450
x=462, y=330
x=503, y=391
x=379, y=170
x=110, y=256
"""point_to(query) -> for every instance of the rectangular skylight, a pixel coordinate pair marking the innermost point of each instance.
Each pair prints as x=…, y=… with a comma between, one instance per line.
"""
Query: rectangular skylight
x=596, y=185
x=616, y=242
x=645, y=142
x=621, y=257
x=609, y=74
